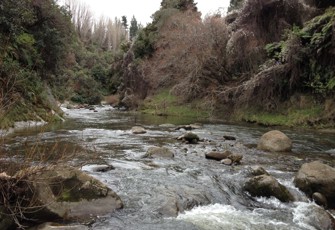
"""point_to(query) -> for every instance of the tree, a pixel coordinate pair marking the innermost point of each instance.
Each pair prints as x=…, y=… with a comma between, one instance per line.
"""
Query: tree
x=235, y=5
x=179, y=4
x=82, y=18
x=133, y=28
x=124, y=22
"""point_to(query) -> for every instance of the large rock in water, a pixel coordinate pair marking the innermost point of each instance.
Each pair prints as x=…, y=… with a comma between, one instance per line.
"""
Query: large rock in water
x=191, y=138
x=62, y=192
x=218, y=155
x=267, y=186
x=275, y=141
x=316, y=177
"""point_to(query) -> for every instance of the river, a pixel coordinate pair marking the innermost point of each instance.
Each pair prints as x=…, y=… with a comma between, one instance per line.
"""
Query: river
x=187, y=192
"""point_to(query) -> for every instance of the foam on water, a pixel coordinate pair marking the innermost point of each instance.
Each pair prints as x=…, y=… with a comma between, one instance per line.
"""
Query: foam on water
x=220, y=216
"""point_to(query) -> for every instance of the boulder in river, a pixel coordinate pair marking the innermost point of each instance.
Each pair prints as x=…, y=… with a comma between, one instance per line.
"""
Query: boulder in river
x=235, y=158
x=268, y=186
x=189, y=127
x=315, y=217
x=190, y=137
x=62, y=192
x=226, y=157
x=275, y=141
x=138, y=130
x=316, y=177
x=258, y=170
x=229, y=138
x=218, y=155
x=162, y=152
x=172, y=200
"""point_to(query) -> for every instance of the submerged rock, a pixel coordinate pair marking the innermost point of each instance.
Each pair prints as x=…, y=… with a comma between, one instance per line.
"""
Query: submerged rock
x=268, y=186
x=235, y=158
x=227, y=161
x=229, y=138
x=159, y=152
x=174, y=200
x=316, y=177
x=55, y=226
x=189, y=127
x=258, y=170
x=190, y=137
x=316, y=217
x=138, y=130
x=275, y=141
x=100, y=168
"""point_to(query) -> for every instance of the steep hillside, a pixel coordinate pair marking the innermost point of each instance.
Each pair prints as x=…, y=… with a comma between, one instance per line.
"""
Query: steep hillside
x=35, y=36
x=51, y=53
x=268, y=59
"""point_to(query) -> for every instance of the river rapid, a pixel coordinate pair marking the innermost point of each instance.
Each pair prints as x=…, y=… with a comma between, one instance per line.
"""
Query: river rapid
x=187, y=192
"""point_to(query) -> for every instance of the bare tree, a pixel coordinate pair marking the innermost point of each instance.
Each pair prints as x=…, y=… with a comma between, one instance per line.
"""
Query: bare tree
x=105, y=32
x=82, y=18
x=99, y=33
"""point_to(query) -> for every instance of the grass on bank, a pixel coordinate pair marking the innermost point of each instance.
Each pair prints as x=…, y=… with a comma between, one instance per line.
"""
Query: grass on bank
x=166, y=104
x=291, y=117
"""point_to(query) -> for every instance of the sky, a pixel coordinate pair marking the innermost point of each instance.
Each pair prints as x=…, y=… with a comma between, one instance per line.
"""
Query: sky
x=143, y=9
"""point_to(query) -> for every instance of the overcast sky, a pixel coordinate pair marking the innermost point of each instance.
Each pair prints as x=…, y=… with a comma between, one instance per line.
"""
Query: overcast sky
x=143, y=9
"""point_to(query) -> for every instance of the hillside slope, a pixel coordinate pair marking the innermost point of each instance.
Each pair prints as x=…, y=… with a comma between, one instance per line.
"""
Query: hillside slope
x=267, y=58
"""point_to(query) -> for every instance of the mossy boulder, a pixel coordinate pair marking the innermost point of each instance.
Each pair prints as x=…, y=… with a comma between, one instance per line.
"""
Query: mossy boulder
x=66, y=193
x=191, y=138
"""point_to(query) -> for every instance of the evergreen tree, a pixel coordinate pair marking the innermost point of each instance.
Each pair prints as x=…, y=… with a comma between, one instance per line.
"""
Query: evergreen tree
x=235, y=5
x=179, y=4
x=124, y=22
x=133, y=28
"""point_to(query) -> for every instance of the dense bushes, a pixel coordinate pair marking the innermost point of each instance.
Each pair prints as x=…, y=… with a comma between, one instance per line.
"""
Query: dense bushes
x=310, y=53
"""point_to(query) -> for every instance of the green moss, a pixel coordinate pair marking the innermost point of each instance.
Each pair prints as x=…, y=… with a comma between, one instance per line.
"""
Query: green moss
x=166, y=104
x=65, y=195
x=18, y=112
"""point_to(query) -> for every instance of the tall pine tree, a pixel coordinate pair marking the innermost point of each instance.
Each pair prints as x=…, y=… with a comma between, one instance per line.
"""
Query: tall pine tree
x=124, y=22
x=133, y=28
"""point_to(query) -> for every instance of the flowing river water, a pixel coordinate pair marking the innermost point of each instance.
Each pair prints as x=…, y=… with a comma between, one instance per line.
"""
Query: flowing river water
x=188, y=191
